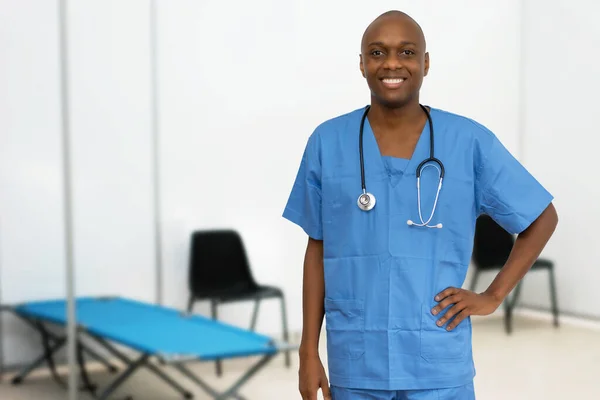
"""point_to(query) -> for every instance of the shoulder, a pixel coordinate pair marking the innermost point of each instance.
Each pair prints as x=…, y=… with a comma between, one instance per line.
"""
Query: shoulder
x=460, y=124
x=339, y=124
x=332, y=130
x=464, y=131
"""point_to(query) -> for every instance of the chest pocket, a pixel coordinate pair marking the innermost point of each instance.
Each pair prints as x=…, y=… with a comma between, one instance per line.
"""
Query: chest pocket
x=458, y=213
x=347, y=230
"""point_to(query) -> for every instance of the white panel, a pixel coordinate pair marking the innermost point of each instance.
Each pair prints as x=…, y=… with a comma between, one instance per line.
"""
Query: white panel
x=110, y=81
x=561, y=142
x=32, y=263
x=243, y=87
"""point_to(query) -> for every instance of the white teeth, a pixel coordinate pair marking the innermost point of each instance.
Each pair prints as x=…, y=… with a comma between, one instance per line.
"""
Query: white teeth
x=393, y=80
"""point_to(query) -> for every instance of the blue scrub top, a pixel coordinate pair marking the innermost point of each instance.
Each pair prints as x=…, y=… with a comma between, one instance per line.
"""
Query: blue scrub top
x=381, y=275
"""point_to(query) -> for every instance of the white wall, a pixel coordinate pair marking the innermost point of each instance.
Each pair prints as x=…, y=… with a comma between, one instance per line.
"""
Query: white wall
x=560, y=143
x=233, y=80
x=112, y=153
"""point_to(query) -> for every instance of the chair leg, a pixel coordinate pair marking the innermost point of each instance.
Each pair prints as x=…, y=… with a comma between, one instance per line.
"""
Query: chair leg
x=474, y=280
x=284, y=324
x=190, y=306
x=255, y=314
x=214, y=314
x=553, y=296
x=509, y=306
x=507, y=317
x=516, y=294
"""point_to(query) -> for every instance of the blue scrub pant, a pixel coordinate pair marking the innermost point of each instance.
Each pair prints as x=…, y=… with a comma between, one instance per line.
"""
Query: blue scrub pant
x=466, y=392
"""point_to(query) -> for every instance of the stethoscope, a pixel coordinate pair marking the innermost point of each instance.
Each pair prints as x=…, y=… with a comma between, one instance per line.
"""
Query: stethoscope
x=366, y=201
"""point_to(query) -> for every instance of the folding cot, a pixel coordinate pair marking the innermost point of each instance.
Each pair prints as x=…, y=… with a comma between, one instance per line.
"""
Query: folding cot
x=169, y=335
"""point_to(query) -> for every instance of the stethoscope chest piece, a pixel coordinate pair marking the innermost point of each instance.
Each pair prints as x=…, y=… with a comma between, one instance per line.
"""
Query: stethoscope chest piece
x=366, y=201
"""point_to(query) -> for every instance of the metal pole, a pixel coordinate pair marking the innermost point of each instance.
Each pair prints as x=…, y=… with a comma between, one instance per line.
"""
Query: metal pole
x=2, y=360
x=155, y=152
x=66, y=152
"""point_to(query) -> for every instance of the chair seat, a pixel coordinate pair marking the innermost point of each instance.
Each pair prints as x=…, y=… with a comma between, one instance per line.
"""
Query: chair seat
x=542, y=263
x=248, y=293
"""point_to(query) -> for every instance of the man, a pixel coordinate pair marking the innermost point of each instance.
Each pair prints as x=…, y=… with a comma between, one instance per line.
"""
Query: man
x=387, y=257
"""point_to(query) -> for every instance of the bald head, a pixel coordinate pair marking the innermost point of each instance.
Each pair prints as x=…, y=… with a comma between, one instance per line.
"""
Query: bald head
x=394, y=59
x=393, y=17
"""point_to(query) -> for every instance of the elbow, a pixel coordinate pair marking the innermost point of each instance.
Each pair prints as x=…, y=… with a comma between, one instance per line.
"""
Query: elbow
x=547, y=221
x=552, y=216
x=545, y=224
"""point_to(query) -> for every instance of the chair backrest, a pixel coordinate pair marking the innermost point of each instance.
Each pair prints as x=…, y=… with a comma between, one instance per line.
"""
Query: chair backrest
x=492, y=244
x=218, y=263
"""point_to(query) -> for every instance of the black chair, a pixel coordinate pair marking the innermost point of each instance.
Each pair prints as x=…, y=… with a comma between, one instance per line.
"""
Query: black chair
x=219, y=271
x=491, y=249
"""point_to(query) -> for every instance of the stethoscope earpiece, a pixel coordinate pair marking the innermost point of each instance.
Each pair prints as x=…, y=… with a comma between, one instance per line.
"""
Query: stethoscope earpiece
x=366, y=201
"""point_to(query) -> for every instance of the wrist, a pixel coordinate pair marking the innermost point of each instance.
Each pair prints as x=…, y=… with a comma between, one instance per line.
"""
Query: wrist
x=308, y=350
x=495, y=294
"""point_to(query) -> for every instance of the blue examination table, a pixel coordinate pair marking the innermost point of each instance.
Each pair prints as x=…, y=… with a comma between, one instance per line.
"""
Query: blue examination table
x=168, y=335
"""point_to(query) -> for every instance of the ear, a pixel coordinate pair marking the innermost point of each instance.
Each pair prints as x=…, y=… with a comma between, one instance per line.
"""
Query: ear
x=361, y=66
x=426, y=64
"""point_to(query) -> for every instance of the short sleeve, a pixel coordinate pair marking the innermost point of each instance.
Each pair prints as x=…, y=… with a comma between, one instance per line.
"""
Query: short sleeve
x=507, y=191
x=304, y=203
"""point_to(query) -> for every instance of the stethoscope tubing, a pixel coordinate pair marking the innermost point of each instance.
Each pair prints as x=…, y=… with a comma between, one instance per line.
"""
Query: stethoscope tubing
x=420, y=168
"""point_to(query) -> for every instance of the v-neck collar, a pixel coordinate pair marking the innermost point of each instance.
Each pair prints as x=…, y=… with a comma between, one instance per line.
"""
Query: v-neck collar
x=420, y=153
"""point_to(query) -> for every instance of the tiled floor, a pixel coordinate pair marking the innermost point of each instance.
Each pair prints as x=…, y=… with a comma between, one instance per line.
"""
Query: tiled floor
x=536, y=362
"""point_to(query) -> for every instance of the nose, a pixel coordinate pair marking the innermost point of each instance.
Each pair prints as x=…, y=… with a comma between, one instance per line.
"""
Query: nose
x=393, y=61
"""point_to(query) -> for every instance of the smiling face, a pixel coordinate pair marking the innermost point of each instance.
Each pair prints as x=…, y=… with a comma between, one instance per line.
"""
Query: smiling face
x=394, y=59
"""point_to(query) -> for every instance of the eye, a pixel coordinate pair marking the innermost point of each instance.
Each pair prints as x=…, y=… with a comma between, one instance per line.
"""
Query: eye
x=376, y=53
x=407, y=52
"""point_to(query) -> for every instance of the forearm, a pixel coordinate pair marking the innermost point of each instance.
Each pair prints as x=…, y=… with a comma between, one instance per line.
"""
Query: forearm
x=313, y=294
x=527, y=248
